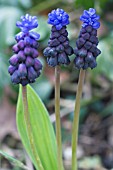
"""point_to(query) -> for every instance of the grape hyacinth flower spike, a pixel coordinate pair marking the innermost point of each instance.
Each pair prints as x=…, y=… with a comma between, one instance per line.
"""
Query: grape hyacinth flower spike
x=57, y=54
x=86, y=53
x=25, y=68
x=58, y=48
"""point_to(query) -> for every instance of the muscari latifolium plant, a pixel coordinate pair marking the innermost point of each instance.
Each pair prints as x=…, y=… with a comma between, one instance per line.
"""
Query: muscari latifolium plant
x=57, y=54
x=33, y=121
x=86, y=52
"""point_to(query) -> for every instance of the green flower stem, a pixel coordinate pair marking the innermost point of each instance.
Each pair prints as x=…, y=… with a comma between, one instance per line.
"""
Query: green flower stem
x=29, y=129
x=76, y=119
x=57, y=113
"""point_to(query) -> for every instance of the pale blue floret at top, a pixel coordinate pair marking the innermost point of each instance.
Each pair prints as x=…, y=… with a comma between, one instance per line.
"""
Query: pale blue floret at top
x=58, y=18
x=89, y=17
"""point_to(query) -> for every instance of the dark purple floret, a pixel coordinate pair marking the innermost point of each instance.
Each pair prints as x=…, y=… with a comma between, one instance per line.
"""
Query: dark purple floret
x=15, y=78
x=15, y=48
x=24, y=67
x=12, y=69
x=14, y=60
x=37, y=65
x=21, y=56
x=32, y=75
x=86, y=50
x=22, y=70
x=29, y=61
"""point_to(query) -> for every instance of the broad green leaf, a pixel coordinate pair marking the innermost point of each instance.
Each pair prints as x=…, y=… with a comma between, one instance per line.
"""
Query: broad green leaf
x=42, y=130
x=14, y=161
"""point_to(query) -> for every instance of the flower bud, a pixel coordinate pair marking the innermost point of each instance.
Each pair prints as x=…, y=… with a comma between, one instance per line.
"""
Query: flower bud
x=28, y=51
x=28, y=41
x=54, y=43
x=15, y=48
x=62, y=38
x=85, y=36
x=21, y=56
x=60, y=48
x=52, y=61
x=93, y=64
x=21, y=44
x=22, y=70
x=37, y=65
x=80, y=42
x=79, y=62
x=82, y=52
x=35, y=44
x=46, y=51
x=29, y=61
x=15, y=77
x=89, y=58
x=63, y=59
x=54, y=35
x=66, y=44
x=11, y=69
x=31, y=74
x=53, y=52
x=88, y=45
x=69, y=50
x=35, y=53
x=14, y=60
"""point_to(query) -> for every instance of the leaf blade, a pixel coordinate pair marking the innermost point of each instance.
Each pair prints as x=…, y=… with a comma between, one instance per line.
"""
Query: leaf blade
x=42, y=130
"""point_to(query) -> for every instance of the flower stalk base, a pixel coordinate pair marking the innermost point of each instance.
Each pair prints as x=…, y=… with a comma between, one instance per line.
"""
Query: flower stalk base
x=76, y=119
x=57, y=113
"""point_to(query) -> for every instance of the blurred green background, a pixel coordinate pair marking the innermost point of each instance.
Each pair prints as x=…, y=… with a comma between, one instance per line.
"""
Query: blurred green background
x=96, y=115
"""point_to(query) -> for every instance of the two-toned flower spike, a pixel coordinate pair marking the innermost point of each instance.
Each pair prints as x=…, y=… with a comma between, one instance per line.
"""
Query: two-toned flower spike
x=86, y=51
x=24, y=66
x=58, y=48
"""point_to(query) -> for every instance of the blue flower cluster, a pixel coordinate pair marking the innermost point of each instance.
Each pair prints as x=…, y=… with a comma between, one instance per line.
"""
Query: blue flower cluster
x=26, y=24
x=86, y=50
x=58, y=48
x=24, y=66
x=58, y=18
x=90, y=18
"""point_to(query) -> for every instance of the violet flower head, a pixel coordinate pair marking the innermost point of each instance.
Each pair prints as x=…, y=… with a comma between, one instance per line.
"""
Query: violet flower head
x=58, y=48
x=58, y=18
x=26, y=24
x=90, y=18
x=86, y=51
x=24, y=66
